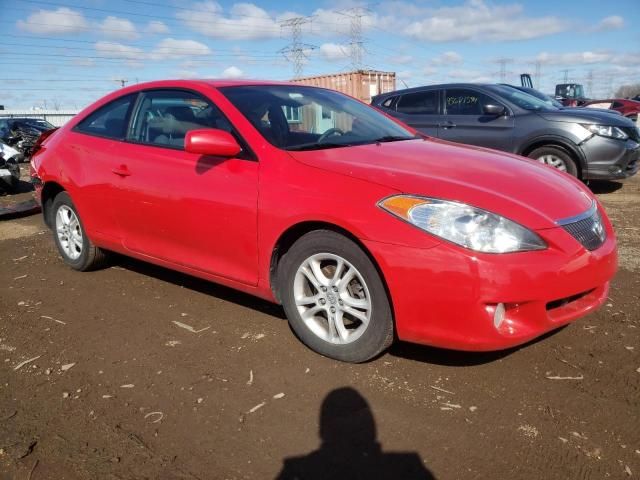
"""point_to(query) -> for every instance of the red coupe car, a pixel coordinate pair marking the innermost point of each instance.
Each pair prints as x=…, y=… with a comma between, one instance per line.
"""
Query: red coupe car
x=363, y=230
x=626, y=107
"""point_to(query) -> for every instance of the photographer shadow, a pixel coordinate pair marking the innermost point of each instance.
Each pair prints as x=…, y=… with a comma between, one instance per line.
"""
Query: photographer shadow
x=349, y=448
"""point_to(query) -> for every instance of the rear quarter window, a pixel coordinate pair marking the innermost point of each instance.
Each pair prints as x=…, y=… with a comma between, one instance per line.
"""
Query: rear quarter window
x=388, y=102
x=110, y=120
x=419, y=103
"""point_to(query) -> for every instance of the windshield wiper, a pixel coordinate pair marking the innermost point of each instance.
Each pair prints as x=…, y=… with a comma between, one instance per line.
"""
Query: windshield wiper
x=317, y=146
x=393, y=138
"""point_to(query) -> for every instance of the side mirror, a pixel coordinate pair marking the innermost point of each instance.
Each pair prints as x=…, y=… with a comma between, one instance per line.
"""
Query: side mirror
x=494, y=110
x=211, y=141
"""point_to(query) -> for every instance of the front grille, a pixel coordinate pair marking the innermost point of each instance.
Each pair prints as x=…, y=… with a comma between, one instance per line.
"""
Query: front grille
x=633, y=132
x=589, y=231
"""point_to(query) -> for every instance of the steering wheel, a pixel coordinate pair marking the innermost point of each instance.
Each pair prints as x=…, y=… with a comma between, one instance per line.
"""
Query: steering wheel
x=328, y=133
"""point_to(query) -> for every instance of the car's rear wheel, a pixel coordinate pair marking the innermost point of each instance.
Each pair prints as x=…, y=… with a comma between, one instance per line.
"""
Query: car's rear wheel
x=334, y=297
x=555, y=157
x=74, y=246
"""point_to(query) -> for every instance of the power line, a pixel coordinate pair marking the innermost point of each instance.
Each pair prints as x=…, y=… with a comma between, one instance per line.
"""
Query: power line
x=296, y=52
x=146, y=15
x=503, y=67
x=108, y=42
x=355, y=15
x=163, y=49
x=590, y=83
x=538, y=74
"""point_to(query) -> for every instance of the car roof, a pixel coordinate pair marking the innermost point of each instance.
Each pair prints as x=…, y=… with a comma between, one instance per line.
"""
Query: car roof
x=12, y=117
x=441, y=85
x=212, y=82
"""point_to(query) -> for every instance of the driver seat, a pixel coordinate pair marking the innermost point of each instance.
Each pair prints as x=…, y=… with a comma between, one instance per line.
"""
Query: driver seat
x=278, y=125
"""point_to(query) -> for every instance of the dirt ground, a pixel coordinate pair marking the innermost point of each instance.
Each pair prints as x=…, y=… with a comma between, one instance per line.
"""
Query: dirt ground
x=138, y=372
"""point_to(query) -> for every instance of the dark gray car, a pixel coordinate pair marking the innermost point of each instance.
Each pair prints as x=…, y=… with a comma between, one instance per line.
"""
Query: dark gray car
x=586, y=144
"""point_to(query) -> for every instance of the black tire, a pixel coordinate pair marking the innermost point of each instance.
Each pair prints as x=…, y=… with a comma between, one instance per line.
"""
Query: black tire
x=13, y=184
x=377, y=335
x=558, y=152
x=91, y=257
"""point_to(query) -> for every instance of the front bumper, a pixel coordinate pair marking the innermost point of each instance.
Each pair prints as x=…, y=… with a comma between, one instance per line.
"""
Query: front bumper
x=609, y=159
x=446, y=296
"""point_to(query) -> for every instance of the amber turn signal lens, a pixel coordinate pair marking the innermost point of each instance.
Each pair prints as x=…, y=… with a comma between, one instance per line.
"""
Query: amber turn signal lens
x=401, y=204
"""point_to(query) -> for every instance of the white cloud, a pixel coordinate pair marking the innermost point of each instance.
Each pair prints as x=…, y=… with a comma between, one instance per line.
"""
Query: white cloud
x=83, y=62
x=447, y=58
x=187, y=74
x=471, y=76
x=332, y=22
x=574, y=58
x=476, y=20
x=245, y=21
x=612, y=22
x=120, y=28
x=335, y=51
x=54, y=22
x=429, y=71
x=170, y=48
x=118, y=50
x=156, y=27
x=232, y=72
x=400, y=59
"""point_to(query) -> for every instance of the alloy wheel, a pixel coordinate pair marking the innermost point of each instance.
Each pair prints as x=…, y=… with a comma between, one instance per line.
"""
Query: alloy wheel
x=553, y=161
x=69, y=232
x=332, y=298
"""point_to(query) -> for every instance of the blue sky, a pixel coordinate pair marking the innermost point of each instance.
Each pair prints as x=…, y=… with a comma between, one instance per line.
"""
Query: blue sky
x=70, y=52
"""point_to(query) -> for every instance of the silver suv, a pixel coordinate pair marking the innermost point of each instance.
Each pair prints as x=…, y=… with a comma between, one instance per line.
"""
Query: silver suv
x=587, y=144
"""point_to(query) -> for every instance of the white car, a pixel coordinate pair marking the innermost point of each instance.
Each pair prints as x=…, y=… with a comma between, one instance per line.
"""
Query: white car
x=9, y=168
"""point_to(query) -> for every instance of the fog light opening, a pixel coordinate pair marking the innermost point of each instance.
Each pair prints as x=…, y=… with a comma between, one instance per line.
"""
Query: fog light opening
x=499, y=315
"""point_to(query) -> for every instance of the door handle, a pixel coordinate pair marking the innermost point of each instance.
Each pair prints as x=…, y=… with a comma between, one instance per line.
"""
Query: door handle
x=122, y=171
x=447, y=124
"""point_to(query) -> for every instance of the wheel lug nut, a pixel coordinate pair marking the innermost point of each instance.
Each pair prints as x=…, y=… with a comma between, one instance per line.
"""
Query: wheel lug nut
x=322, y=301
x=340, y=302
x=335, y=289
x=333, y=309
x=324, y=289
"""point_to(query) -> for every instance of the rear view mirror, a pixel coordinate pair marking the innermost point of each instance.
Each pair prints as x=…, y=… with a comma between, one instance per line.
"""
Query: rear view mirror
x=494, y=110
x=211, y=141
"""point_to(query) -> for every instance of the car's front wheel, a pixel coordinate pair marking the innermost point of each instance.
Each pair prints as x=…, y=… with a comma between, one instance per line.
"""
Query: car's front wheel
x=73, y=244
x=334, y=297
x=555, y=157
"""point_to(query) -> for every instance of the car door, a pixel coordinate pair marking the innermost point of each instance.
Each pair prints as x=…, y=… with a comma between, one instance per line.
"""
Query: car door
x=464, y=120
x=188, y=209
x=90, y=151
x=420, y=110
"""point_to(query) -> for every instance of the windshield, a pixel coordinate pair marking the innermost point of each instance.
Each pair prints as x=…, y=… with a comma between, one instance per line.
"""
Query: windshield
x=308, y=118
x=545, y=98
x=523, y=99
x=570, y=90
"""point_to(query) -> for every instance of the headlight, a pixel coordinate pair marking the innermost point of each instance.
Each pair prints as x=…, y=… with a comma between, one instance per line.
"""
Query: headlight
x=606, y=131
x=463, y=224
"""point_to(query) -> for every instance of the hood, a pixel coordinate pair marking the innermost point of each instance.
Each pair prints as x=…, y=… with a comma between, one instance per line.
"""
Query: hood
x=522, y=190
x=586, y=115
x=599, y=110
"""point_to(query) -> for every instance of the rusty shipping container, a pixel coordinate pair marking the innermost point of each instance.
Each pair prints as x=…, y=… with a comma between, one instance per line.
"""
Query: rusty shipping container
x=361, y=84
